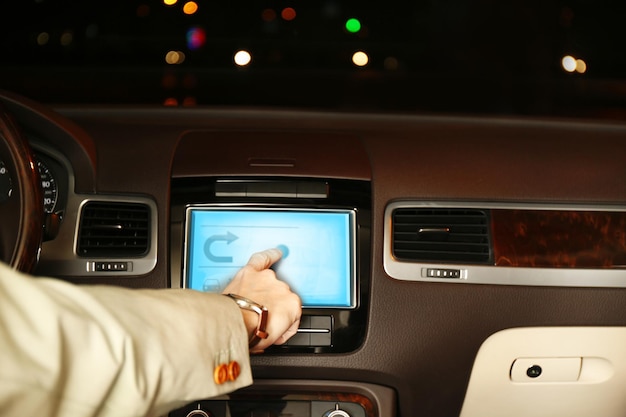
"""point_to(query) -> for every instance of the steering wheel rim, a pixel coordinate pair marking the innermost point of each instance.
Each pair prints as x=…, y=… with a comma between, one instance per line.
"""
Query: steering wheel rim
x=22, y=214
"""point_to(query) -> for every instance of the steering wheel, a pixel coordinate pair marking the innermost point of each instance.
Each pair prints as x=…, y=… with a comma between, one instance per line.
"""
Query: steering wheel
x=21, y=199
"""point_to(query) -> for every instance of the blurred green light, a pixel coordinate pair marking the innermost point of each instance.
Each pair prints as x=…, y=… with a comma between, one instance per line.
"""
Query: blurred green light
x=353, y=25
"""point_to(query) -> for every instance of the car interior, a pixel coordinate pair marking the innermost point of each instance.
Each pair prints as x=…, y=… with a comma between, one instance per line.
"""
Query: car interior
x=451, y=210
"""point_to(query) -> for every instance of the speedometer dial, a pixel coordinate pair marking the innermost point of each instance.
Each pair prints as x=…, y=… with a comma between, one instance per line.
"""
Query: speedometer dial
x=6, y=186
x=49, y=186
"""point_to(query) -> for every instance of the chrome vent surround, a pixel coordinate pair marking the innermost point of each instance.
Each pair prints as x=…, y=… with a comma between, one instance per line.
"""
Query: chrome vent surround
x=114, y=229
x=412, y=269
x=450, y=235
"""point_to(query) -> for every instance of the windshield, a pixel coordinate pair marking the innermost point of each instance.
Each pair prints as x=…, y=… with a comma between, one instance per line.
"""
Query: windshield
x=552, y=58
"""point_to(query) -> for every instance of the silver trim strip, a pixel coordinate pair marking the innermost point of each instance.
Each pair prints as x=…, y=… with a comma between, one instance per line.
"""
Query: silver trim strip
x=499, y=275
x=301, y=330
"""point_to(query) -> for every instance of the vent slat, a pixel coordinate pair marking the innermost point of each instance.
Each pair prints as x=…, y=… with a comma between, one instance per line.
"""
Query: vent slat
x=114, y=229
x=479, y=247
x=441, y=235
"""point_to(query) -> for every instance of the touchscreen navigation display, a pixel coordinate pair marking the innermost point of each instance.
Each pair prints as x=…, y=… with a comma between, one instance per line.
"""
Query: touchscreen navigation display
x=318, y=249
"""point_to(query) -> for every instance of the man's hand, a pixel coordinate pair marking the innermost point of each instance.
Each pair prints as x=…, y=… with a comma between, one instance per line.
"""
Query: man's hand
x=257, y=282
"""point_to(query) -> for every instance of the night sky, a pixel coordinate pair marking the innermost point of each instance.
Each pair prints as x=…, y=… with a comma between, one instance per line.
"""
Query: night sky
x=425, y=56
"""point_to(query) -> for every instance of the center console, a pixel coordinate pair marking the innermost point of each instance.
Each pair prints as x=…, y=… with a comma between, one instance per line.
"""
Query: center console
x=322, y=226
x=234, y=193
x=297, y=398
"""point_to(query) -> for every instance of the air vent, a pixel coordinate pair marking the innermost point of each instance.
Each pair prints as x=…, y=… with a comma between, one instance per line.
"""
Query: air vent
x=441, y=235
x=114, y=229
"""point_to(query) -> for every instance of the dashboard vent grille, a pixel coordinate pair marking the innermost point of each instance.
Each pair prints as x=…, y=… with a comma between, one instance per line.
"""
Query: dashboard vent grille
x=114, y=229
x=441, y=235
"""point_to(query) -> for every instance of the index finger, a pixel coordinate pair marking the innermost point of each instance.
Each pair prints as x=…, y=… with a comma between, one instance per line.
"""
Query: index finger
x=264, y=259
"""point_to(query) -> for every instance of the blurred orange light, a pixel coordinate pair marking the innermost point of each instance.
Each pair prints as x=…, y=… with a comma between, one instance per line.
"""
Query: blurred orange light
x=288, y=13
x=169, y=81
x=268, y=15
x=67, y=38
x=175, y=57
x=189, y=101
x=190, y=81
x=170, y=102
x=190, y=7
x=391, y=63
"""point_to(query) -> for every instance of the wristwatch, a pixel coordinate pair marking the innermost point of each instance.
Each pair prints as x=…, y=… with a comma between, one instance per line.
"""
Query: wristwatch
x=247, y=304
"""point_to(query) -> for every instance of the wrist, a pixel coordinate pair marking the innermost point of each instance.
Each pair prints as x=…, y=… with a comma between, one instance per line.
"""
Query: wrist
x=250, y=320
x=250, y=310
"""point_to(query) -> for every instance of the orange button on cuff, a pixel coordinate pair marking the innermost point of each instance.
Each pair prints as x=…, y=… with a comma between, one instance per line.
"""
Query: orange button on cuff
x=220, y=374
x=224, y=372
x=233, y=370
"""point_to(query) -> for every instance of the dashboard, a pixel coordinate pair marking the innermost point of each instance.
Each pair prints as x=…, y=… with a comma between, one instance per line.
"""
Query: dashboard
x=459, y=246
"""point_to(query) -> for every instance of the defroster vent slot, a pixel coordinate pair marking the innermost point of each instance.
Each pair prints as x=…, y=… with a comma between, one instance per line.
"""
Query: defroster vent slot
x=114, y=229
x=441, y=235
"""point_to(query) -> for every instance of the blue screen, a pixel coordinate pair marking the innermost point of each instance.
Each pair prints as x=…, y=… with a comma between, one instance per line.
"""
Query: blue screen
x=317, y=245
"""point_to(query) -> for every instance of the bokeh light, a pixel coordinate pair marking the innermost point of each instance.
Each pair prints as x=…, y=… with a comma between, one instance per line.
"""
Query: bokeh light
x=360, y=59
x=391, y=63
x=196, y=38
x=242, y=58
x=288, y=13
x=170, y=2
x=190, y=101
x=43, y=38
x=190, y=82
x=268, y=15
x=353, y=25
x=572, y=64
x=67, y=38
x=190, y=7
x=175, y=57
x=169, y=81
x=568, y=63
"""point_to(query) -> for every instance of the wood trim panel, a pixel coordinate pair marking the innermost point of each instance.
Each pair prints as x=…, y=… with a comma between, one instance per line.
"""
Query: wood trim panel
x=559, y=239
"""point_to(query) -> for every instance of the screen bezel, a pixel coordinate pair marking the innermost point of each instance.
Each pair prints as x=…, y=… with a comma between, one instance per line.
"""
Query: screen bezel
x=352, y=238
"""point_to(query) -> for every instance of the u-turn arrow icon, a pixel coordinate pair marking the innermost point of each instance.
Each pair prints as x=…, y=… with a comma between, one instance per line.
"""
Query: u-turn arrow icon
x=228, y=238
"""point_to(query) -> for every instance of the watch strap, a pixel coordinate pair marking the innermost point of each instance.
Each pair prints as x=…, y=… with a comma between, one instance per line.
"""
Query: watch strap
x=247, y=304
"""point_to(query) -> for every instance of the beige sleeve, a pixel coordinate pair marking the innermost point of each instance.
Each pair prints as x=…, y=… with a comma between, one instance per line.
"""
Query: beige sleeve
x=68, y=350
